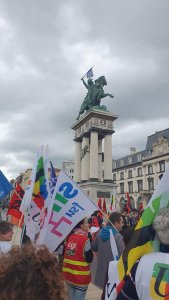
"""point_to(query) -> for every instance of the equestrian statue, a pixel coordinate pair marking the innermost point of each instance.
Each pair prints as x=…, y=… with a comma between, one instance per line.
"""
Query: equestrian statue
x=94, y=95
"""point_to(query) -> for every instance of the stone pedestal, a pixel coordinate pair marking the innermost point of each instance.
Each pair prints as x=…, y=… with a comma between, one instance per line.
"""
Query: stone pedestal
x=93, y=137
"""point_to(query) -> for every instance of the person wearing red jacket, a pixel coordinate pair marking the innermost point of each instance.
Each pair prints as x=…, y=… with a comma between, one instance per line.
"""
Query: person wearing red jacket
x=77, y=258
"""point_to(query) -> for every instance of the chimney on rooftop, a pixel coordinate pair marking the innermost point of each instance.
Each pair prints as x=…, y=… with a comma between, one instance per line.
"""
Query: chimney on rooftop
x=132, y=150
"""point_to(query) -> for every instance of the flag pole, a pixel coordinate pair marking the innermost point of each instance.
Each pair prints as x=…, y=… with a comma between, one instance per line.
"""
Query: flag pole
x=87, y=72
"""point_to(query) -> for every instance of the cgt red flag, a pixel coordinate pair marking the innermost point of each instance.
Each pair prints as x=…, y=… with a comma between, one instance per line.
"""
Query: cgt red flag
x=15, y=202
x=104, y=207
x=99, y=204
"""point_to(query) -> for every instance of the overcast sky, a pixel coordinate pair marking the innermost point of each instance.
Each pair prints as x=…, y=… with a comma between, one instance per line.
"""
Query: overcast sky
x=46, y=46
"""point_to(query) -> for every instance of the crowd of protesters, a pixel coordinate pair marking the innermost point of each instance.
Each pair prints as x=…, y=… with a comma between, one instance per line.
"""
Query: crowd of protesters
x=66, y=274
x=79, y=247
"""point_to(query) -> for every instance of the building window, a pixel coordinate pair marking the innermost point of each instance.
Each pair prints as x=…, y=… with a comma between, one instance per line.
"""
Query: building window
x=122, y=162
x=114, y=164
x=162, y=165
x=129, y=173
x=130, y=160
x=122, y=188
x=138, y=157
x=140, y=185
x=139, y=171
x=130, y=186
x=121, y=175
x=151, y=184
x=114, y=177
x=150, y=169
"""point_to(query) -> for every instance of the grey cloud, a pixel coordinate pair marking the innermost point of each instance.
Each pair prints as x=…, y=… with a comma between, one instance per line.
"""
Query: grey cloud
x=45, y=49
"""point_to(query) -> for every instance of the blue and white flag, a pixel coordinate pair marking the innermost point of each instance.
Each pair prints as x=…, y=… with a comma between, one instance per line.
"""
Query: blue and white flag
x=69, y=205
x=53, y=178
x=5, y=186
x=90, y=74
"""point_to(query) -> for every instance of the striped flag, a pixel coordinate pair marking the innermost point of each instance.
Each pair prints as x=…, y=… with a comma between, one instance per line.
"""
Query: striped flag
x=40, y=200
x=143, y=238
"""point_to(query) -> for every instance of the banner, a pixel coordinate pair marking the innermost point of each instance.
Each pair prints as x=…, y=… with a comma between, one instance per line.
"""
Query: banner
x=5, y=186
x=69, y=205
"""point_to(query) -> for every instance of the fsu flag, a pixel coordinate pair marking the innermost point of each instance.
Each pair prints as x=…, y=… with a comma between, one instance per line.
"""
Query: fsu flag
x=15, y=203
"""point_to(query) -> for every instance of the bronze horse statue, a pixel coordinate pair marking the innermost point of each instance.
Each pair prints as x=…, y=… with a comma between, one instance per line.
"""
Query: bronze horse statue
x=94, y=95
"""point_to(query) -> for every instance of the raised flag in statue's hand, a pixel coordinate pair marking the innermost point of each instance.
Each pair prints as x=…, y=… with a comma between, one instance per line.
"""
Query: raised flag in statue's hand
x=90, y=74
x=5, y=186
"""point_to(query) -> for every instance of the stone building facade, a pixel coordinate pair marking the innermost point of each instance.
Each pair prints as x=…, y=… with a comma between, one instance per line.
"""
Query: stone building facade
x=139, y=172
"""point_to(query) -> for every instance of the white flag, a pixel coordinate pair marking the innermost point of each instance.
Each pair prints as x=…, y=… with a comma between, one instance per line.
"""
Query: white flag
x=26, y=201
x=113, y=246
x=69, y=205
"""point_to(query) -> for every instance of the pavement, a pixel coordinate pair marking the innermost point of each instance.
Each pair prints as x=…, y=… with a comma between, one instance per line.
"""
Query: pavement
x=93, y=293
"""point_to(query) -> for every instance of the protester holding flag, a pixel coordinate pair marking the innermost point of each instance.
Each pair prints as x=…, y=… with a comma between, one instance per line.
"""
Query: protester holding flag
x=6, y=233
x=152, y=284
x=102, y=246
x=96, y=220
x=110, y=279
x=77, y=258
